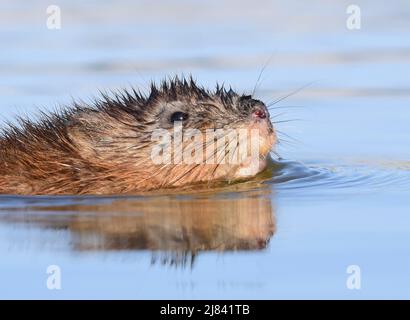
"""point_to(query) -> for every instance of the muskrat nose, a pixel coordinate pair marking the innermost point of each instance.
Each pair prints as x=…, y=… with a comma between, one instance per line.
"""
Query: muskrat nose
x=259, y=114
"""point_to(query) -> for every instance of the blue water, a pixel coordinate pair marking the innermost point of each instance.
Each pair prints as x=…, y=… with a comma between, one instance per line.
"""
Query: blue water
x=338, y=196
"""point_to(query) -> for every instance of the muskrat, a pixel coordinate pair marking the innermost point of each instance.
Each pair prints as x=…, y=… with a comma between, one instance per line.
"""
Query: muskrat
x=168, y=224
x=106, y=147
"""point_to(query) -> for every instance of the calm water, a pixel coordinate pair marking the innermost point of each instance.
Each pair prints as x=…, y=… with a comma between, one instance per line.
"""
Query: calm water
x=338, y=197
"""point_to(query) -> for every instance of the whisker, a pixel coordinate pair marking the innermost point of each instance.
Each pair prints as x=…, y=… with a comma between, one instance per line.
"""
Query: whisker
x=258, y=80
x=277, y=154
x=183, y=175
x=271, y=107
x=284, y=141
x=278, y=115
x=288, y=136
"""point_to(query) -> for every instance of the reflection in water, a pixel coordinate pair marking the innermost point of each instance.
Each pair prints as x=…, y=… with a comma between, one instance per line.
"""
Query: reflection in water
x=174, y=228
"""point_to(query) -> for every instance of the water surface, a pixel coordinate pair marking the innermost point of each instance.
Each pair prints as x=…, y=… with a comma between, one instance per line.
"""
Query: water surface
x=338, y=196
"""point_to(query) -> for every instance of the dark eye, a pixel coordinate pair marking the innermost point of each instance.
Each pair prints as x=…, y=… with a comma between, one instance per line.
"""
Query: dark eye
x=179, y=116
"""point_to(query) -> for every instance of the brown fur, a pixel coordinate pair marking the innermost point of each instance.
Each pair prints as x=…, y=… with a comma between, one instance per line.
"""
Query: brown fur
x=179, y=228
x=105, y=148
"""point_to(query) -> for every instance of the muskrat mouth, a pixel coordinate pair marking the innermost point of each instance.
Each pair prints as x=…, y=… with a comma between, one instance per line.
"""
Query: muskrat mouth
x=254, y=165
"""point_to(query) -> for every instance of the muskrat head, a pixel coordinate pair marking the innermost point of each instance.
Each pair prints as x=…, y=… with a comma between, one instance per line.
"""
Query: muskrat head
x=180, y=134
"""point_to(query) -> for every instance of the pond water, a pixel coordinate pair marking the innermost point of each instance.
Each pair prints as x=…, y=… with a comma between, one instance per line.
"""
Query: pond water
x=338, y=195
